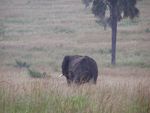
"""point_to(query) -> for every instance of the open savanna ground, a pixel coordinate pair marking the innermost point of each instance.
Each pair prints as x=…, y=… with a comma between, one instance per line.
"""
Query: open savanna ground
x=39, y=33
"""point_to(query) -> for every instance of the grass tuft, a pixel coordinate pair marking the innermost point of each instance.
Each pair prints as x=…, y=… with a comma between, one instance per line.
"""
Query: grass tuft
x=147, y=30
x=36, y=74
x=141, y=102
x=21, y=64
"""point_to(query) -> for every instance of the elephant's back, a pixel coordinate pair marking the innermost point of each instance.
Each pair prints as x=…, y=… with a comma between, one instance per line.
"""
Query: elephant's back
x=86, y=63
x=83, y=63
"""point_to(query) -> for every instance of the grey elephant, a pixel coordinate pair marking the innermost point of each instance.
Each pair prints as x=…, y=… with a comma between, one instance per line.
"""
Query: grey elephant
x=79, y=69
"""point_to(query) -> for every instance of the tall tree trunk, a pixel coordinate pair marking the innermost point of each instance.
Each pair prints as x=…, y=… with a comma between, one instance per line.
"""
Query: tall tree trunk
x=114, y=33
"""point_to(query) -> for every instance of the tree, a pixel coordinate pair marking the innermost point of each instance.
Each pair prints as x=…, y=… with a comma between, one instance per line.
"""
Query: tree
x=86, y=2
x=118, y=9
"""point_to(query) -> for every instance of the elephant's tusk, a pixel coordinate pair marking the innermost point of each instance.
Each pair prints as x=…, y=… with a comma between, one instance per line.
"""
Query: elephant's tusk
x=60, y=75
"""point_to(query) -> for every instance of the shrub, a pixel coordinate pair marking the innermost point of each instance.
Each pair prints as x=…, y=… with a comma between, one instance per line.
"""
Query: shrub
x=36, y=74
x=21, y=64
x=147, y=30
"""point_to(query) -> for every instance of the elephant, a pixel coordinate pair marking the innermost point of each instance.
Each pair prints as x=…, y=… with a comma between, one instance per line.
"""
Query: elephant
x=79, y=69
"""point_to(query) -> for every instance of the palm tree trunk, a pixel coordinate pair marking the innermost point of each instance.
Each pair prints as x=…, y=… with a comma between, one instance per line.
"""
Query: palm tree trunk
x=114, y=33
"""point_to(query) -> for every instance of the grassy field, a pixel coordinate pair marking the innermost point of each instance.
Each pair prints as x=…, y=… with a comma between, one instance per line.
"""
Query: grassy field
x=39, y=33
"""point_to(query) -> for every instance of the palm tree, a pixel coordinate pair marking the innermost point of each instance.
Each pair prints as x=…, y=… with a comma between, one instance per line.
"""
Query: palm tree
x=118, y=9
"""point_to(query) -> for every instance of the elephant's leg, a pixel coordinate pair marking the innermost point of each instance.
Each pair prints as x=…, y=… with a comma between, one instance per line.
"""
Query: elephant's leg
x=70, y=77
x=81, y=78
x=93, y=80
x=68, y=81
x=77, y=79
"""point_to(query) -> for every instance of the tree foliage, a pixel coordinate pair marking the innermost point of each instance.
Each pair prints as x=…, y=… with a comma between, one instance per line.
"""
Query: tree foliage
x=125, y=8
x=86, y=2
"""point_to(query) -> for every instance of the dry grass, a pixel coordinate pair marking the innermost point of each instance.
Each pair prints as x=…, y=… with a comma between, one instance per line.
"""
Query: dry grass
x=110, y=95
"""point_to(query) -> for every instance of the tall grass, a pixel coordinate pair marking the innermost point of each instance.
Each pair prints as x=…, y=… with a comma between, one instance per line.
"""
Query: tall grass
x=40, y=97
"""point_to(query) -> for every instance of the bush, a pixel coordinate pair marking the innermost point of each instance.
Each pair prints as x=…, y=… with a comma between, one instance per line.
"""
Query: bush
x=22, y=64
x=147, y=30
x=36, y=74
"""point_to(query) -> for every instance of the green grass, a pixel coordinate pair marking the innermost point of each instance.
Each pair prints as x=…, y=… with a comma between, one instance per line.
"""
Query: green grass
x=141, y=103
x=40, y=101
x=66, y=30
x=128, y=22
x=147, y=30
x=21, y=64
x=16, y=20
x=84, y=100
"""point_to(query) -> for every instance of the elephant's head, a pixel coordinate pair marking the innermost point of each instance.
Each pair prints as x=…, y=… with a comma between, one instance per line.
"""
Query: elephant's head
x=65, y=65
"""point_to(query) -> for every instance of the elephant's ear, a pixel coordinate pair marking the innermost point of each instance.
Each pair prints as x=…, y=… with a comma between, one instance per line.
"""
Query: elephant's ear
x=65, y=65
